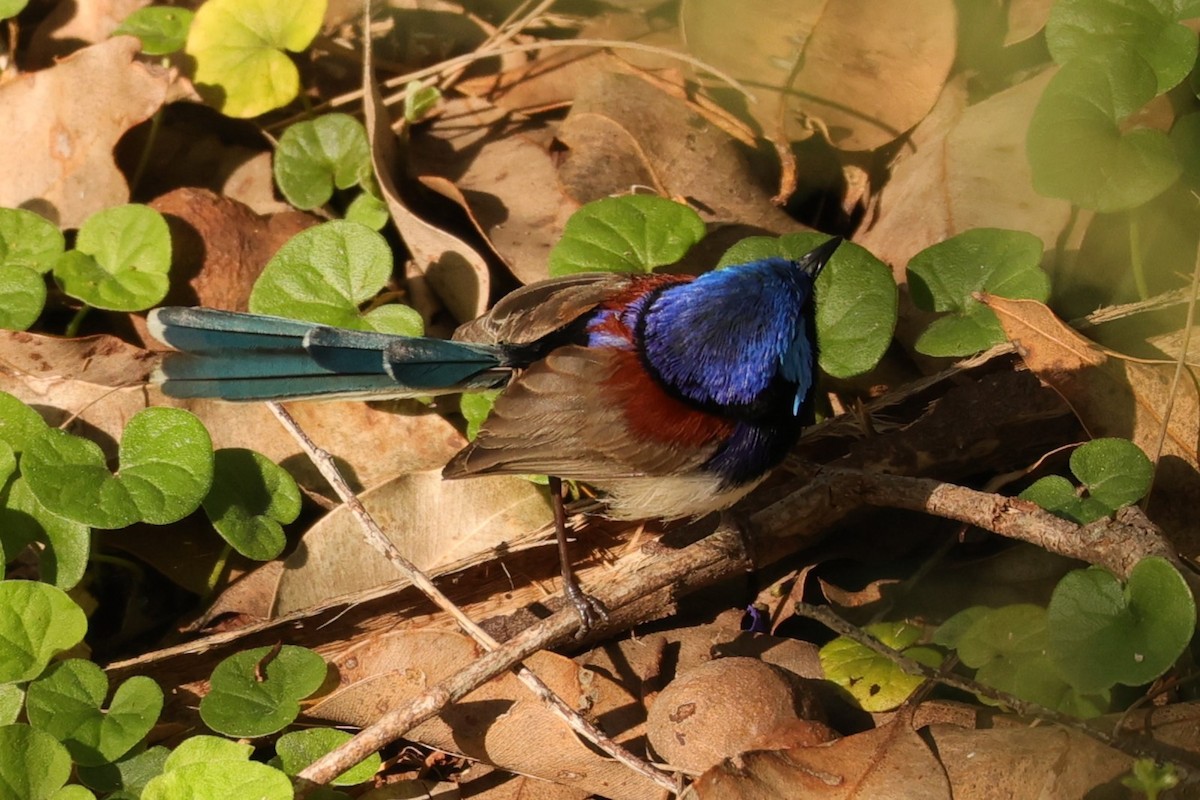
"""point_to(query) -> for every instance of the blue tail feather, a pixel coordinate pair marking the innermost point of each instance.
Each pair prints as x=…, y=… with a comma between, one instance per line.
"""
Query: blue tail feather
x=237, y=356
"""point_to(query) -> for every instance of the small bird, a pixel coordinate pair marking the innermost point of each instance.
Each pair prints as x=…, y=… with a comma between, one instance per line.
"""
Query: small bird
x=673, y=394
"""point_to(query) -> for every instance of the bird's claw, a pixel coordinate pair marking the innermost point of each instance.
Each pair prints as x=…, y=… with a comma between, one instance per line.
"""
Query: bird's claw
x=591, y=611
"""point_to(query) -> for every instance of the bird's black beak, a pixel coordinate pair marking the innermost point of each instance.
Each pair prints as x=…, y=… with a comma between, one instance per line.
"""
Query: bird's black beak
x=815, y=260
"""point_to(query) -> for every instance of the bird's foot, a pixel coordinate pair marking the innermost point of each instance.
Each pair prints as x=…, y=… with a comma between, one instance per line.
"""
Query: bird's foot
x=591, y=611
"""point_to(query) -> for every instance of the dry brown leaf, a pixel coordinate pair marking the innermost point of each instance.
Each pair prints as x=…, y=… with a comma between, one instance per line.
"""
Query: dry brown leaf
x=967, y=170
x=888, y=763
x=1115, y=396
x=441, y=262
x=869, y=71
x=219, y=246
x=503, y=174
x=1026, y=18
x=623, y=133
x=76, y=23
x=500, y=723
x=432, y=521
x=1044, y=763
x=66, y=377
x=62, y=124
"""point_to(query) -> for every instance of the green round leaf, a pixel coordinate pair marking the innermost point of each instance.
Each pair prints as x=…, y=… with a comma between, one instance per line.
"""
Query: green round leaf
x=475, y=408
x=28, y=240
x=248, y=699
x=121, y=259
x=33, y=766
x=634, y=233
x=946, y=276
x=856, y=299
x=323, y=274
x=19, y=424
x=12, y=700
x=162, y=29
x=238, y=46
x=220, y=780
x=10, y=8
x=1095, y=28
x=23, y=520
x=298, y=749
x=1076, y=126
x=1101, y=634
x=67, y=702
x=316, y=155
x=37, y=621
x=22, y=297
x=166, y=470
x=369, y=210
x=1060, y=497
x=207, y=749
x=395, y=318
x=130, y=774
x=875, y=681
x=1115, y=471
x=249, y=498
x=1007, y=648
x=73, y=792
x=419, y=100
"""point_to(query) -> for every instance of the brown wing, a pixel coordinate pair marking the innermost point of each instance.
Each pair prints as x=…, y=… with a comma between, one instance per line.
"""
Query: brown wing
x=568, y=415
x=534, y=311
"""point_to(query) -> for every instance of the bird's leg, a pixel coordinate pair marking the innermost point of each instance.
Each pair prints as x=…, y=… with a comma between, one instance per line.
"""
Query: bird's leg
x=591, y=611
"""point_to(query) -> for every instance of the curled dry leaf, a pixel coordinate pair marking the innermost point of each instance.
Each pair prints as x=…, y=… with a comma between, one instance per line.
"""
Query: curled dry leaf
x=219, y=246
x=441, y=262
x=1115, y=396
x=890, y=762
x=432, y=521
x=502, y=173
x=966, y=169
x=62, y=124
x=623, y=133
x=867, y=71
x=500, y=723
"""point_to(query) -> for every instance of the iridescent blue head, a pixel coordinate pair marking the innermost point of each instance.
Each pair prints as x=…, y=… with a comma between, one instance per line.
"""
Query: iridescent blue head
x=736, y=338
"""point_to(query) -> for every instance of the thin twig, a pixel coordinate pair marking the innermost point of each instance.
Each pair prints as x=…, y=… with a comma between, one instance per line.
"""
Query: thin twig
x=377, y=539
x=1179, y=367
x=1023, y=708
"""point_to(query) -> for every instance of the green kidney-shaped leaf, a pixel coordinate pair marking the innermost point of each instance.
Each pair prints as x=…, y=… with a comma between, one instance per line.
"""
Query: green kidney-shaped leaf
x=316, y=155
x=1115, y=471
x=856, y=299
x=162, y=29
x=875, y=681
x=24, y=520
x=12, y=700
x=67, y=702
x=1076, y=146
x=1095, y=28
x=1060, y=497
x=1007, y=648
x=634, y=233
x=250, y=497
x=323, y=274
x=28, y=240
x=19, y=424
x=220, y=780
x=369, y=210
x=37, y=621
x=33, y=765
x=298, y=749
x=121, y=259
x=250, y=699
x=207, y=749
x=946, y=276
x=238, y=46
x=130, y=774
x=22, y=297
x=1102, y=634
x=165, y=471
